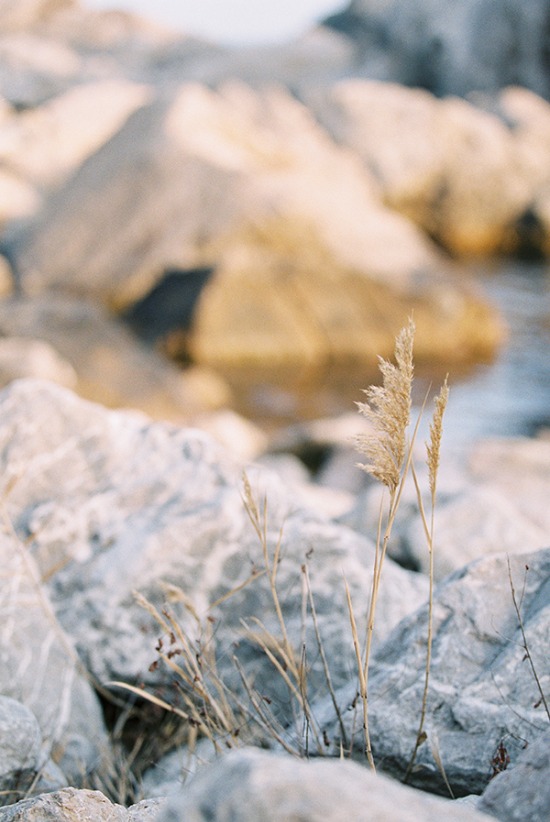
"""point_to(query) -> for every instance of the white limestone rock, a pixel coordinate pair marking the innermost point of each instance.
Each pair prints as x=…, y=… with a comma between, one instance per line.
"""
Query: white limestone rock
x=482, y=689
x=40, y=669
x=523, y=791
x=70, y=804
x=112, y=503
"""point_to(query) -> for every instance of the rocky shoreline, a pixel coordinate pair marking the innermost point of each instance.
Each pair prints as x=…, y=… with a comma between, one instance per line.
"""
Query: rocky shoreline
x=170, y=210
x=99, y=504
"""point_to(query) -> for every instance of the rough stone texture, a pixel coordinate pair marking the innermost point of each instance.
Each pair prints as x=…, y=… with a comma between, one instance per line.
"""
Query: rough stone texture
x=20, y=744
x=457, y=171
x=71, y=805
x=451, y=46
x=40, y=669
x=310, y=267
x=111, y=366
x=482, y=689
x=276, y=789
x=112, y=504
x=491, y=500
x=522, y=792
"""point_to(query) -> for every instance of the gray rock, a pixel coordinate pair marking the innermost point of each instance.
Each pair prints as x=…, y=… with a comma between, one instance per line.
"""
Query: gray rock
x=40, y=669
x=490, y=499
x=112, y=504
x=176, y=768
x=450, y=47
x=482, y=688
x=229, y=179
x=26, y=767
x=523, y=791
x=276, y=789
x=34, y=69
x=20, y=746
x=70, y=804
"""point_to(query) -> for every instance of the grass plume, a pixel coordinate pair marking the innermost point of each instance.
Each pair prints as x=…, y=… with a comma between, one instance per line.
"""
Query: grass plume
x=388, y=408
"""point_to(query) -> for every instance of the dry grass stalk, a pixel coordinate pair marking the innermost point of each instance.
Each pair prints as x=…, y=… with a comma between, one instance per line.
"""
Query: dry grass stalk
x=209, y=707
x=433, y=451
x=388, y=408
x=390, y=459
x=321, y=649
x=526, y=648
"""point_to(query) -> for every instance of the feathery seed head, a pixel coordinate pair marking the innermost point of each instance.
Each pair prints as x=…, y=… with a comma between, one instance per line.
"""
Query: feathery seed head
x=388, y=408
x=436, y=428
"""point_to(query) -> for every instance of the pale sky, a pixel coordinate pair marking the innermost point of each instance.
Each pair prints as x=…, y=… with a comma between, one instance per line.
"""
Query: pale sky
x=231, y=21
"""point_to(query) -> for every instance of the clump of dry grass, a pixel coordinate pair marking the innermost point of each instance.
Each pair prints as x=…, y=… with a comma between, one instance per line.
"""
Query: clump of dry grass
x=389, y=455
x=206, y=704
x=433, y=449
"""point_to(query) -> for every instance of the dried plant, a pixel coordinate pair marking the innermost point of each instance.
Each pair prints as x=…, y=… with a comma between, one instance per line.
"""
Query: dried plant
x=389, y=455
x=525, y=644
x=206, y=703
x=208, y=706
x=433, y=449
x=388, y=408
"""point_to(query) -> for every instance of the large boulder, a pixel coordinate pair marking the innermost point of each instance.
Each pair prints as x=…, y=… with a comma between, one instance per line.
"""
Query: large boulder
x=276, y=788
x=450, y=46
x=528, y=116
x=83, y=805
x=40, y=669
x=465, y=175
x=489, y=669
x=310, y=267
x=34, y=69
x=112, y=504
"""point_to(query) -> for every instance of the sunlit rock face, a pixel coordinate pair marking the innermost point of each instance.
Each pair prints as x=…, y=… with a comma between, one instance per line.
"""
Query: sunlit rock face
x=310, y=267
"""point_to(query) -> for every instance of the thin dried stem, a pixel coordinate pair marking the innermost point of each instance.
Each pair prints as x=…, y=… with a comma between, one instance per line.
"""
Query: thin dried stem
x=362, y=680
x=320, y=646
x=433, y=449
x=524, y=637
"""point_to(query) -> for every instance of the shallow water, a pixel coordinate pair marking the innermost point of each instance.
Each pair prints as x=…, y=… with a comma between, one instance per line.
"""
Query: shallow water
x=510, y=396
x=507, y=397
